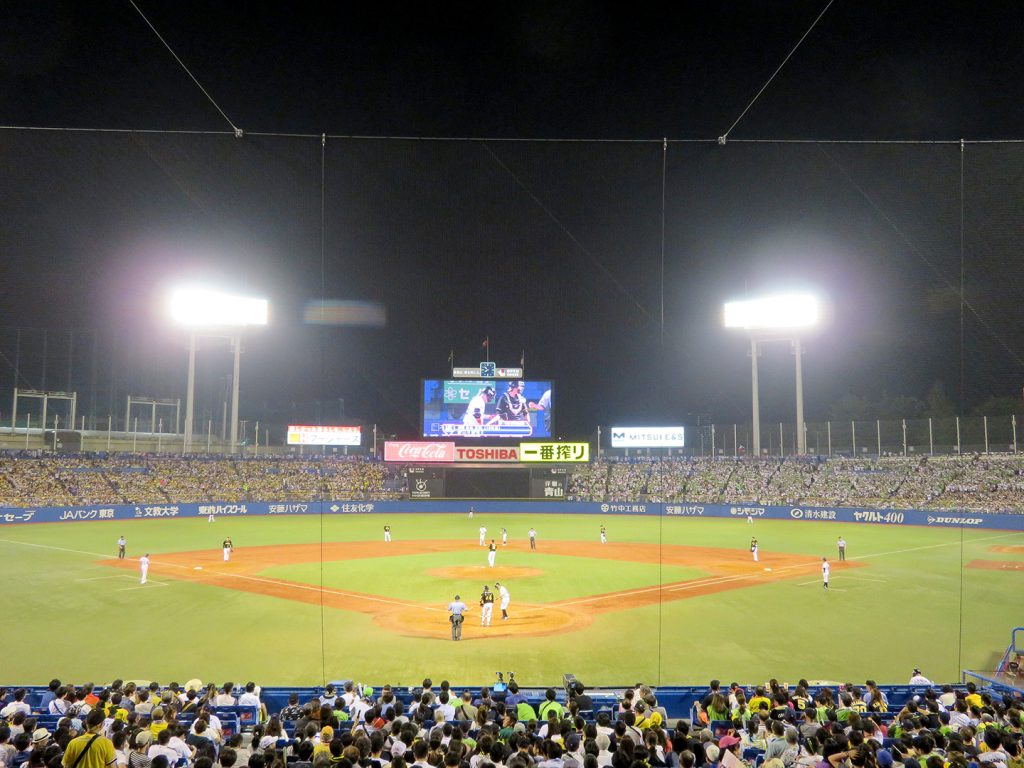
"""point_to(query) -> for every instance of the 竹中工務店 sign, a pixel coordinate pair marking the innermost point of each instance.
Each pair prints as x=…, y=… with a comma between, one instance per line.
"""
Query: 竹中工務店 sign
x=310, y=435
x=554, y=452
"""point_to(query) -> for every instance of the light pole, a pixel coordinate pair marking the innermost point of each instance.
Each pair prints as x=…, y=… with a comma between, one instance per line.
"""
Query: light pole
x=212, y=313
x=775, y=318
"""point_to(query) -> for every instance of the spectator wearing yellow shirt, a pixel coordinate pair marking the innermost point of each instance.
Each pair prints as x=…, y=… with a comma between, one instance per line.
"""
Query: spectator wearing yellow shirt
x=760, y=698
x=973, y=698
x=158, y=723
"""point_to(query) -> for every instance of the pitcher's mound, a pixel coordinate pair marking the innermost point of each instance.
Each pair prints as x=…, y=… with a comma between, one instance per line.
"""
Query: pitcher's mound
x=483, y=573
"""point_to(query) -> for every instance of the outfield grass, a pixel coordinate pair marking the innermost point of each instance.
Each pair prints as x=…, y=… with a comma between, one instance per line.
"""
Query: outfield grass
x=912, y=604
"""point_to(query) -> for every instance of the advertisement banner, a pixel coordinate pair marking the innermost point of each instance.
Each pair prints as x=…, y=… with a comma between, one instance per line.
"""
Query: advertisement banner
x=501, y=454
x=544, y=485
x=426, y=482
x=416, y=452
x=648, y=437
x=309, y=435
x=556, y=453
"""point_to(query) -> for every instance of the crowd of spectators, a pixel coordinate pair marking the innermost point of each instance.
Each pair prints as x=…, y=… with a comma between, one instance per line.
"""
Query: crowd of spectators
x=774, y=726
x=982, y=483
x=989, y=483
x=95, y=479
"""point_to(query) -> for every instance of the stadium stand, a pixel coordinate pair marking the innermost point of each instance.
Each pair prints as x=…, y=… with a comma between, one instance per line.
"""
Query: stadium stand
x=349, y=724
x=988, y=483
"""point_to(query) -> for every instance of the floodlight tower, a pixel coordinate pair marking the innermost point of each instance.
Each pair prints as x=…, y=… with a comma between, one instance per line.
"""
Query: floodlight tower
x=770, y=319
x=211, y=313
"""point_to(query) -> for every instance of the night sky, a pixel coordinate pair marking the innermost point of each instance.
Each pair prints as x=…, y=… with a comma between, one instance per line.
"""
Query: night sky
x=601, y=255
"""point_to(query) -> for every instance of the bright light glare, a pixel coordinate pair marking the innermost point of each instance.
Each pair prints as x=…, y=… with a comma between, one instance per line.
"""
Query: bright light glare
x=788, y=311
x=202, y=307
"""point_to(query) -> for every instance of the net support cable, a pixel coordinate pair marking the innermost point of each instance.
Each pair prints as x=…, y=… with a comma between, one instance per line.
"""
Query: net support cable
x=492, y=139
x=725, y=136
x=237, y=131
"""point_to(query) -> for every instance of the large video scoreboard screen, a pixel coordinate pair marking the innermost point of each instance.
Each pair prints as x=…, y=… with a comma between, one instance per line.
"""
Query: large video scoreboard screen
x=487, y=408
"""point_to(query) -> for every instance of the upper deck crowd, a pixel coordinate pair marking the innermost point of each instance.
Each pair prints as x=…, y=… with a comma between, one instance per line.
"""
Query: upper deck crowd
x=988, y=483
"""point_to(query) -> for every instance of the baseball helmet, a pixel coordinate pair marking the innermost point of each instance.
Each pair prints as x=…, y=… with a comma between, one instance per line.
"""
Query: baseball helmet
x=457, y=597
x=489, y=391
x=516, y=384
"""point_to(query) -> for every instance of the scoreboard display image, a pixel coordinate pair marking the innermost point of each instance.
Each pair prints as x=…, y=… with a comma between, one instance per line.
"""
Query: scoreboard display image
x=487, y=408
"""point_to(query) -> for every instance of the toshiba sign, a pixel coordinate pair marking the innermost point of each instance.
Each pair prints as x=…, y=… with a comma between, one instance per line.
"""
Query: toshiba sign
x=415, y=452
x=496, y=454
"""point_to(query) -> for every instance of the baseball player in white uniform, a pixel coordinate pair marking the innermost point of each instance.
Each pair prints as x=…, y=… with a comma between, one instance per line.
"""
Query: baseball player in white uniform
x=387, y=533
x=483, y=534
x=228, y=546
x=492, y=550
x=504, y=536
x=144, y=567
x=753, y=549
x=825, y=568
x=504, y=598
x=604, y=535
x=486, y=606
x=476, y=410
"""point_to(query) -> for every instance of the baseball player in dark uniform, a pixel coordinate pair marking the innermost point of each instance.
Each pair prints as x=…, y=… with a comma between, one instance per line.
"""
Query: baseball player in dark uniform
x=512, y=405
x=486, y=606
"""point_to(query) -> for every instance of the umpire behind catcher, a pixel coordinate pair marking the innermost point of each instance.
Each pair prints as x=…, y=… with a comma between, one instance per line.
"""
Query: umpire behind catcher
x=456, y=609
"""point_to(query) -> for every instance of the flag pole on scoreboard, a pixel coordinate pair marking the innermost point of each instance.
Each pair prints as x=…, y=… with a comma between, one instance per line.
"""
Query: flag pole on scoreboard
x=487, y=348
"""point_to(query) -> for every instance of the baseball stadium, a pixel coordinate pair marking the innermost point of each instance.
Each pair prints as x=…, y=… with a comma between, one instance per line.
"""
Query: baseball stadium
x=342, y=426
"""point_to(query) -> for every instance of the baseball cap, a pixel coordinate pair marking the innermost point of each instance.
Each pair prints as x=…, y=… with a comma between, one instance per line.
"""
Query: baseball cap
x=368, y=691
x=884, y=758
x=727, y=741
x=40, y=734
x=516, y=385
x=142, y=738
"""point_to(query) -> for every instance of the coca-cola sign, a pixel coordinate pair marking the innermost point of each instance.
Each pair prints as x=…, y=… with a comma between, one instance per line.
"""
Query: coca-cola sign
x=416, y=452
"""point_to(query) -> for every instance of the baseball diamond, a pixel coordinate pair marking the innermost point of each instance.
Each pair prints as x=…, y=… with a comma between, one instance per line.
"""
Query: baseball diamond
x=665, y=599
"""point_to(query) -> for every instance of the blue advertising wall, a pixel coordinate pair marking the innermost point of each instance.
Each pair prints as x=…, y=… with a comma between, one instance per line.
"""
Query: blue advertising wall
x=1009, y=522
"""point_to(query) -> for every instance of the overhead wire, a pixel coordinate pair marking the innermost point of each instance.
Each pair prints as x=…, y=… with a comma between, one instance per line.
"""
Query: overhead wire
x=722, y=139
x=235, y=129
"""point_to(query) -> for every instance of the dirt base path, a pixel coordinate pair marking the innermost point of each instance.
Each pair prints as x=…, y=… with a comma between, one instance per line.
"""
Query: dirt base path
x=728, y=569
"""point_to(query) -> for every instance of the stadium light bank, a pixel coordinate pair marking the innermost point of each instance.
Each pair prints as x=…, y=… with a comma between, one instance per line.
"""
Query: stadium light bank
x=204, y=311
x=774, y=318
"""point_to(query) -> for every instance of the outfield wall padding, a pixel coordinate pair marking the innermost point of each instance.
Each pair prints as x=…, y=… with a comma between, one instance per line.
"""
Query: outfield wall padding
x=885, y=517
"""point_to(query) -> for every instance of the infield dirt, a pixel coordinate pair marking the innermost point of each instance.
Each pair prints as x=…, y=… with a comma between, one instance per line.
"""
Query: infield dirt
x=727, y=569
